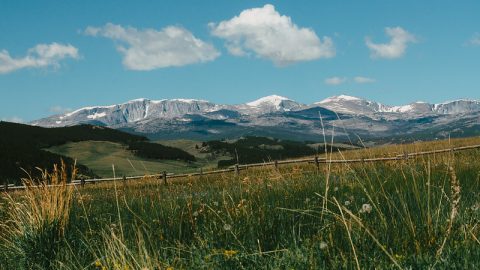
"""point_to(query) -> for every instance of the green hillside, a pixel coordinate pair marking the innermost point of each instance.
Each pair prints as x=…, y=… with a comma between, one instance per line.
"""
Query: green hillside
x=22, y=149
x=100, y=155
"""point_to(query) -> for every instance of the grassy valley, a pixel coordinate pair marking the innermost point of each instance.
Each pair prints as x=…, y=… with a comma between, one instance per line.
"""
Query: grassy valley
x=100, y=155
x=25, y=148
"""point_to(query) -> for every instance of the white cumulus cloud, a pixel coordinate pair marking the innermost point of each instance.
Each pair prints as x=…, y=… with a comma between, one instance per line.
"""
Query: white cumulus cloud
x=149, y=49
x=360, y=79
x=270, y=35
x=40, y=56
x=395, y=48
x=335, y=80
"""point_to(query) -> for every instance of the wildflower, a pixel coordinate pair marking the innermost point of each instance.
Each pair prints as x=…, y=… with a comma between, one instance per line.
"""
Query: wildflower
x=366, y=208
x=335, y=189
x=169, y=268
x=195, y=214
x=399, y=257
x=98, y=264
x=323, y=245
x=227, y=227
x=241, y=203
x=215, y=203
x=307, y=200
x=229, y=253
x=347, y=203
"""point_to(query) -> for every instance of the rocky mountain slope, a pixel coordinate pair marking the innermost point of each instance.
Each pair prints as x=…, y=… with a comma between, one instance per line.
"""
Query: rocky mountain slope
x=342, y=116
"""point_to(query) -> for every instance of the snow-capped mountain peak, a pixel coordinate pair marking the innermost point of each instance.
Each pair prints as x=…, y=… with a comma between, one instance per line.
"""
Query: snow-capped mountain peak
x=269, y=104
x=149, y=114
x=351, y=105
x=272, y=100
x=339, y=98
x=188, y=100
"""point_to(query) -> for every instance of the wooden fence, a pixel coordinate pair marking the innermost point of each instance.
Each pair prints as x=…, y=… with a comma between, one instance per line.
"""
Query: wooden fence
x=237, y=168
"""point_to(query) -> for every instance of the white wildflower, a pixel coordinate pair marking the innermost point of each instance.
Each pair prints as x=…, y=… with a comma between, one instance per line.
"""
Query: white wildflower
x=227, y=227
x=366, y=208
x=323, y=245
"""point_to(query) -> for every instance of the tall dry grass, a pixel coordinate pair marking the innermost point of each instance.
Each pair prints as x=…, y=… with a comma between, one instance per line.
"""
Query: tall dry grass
x=418, y=213
x=35, y=222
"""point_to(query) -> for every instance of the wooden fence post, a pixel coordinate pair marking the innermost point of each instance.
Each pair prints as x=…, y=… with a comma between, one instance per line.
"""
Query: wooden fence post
x=237, y=171
x=6, y=186
x=82, y=182
x=165, y=177
x=317, y=163
x=276, y=164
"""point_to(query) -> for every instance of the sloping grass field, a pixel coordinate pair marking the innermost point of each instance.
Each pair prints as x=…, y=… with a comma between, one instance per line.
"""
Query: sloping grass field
x=419, y=213
x=100, y=155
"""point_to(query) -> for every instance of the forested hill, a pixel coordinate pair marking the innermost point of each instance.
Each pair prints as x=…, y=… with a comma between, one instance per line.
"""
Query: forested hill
x=22, y=147
x=253, y=149
x=45, y=137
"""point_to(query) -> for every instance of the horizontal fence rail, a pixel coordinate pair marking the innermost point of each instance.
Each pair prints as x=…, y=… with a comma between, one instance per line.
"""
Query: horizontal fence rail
x=238, y=167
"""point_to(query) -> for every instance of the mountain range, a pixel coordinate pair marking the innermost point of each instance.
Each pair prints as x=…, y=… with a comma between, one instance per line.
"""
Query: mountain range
x=339, y=116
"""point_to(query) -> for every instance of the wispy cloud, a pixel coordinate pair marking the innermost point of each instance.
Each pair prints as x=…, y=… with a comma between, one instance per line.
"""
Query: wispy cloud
x=360, y=79
x=272, y=36
x=149, y=49
x=475, y=40
x=395, y=48
x=59, y=109
x=335, y=80
x=40, y=56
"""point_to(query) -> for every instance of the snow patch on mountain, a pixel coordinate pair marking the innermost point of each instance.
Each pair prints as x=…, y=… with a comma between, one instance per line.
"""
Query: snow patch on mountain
x=177, y=115
x=88, y=109
x=96, y=115
x=190, y=101
x=337, y=99
x=272, y=100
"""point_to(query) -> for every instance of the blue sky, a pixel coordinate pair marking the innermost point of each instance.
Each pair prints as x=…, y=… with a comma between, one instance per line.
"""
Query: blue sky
x=60, y=55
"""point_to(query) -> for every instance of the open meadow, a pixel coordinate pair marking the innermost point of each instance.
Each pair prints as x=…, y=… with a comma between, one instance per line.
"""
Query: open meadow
x=100, y=155
x=418, y=213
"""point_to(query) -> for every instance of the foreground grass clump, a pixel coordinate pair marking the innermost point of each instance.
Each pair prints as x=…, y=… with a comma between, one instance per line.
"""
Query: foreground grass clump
x=33, y=225
x=409, y=214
